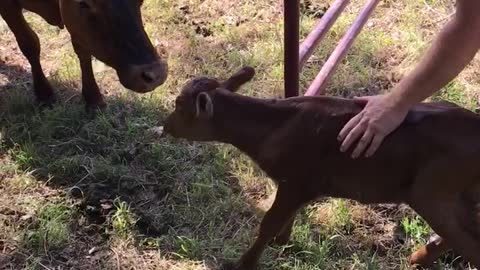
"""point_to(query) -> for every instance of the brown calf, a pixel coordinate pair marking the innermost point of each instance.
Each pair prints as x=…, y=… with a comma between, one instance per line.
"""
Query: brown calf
x=110, y=30
x=431, y=162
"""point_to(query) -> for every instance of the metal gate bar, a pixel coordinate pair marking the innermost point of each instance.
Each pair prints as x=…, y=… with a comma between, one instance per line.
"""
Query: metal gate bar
x=315, y=37
x=296, y=56
x=291, y=47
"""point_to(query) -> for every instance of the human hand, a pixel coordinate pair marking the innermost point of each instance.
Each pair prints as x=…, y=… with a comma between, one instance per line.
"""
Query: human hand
x=380, y=116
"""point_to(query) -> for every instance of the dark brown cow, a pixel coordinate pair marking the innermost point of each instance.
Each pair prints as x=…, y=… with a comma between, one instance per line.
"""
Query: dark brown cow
x=110, y=30
x=431, y=162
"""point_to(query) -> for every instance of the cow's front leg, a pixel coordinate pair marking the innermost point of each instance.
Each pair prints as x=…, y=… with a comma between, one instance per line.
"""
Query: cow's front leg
x=29, y=44
x=284, y=236
x=90, y=91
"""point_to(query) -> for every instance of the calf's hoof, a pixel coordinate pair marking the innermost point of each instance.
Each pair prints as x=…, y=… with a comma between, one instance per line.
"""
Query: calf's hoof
x=428, y=254
x=420, y=258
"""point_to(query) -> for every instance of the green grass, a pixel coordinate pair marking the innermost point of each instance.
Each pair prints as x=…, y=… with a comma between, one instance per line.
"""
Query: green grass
x=417, y=230
x=343, y=219
x=71, y=182
x=123, y=220
x=52, y=230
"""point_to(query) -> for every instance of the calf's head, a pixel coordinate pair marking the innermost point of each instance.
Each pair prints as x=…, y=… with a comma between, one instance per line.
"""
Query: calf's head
x=194, y=114
x=112, y=31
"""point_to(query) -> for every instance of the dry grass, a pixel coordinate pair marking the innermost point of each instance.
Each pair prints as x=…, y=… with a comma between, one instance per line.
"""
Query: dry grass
x=101, y=193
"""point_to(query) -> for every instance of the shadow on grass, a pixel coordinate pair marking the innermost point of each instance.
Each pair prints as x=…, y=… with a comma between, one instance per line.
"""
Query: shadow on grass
x=180, y=193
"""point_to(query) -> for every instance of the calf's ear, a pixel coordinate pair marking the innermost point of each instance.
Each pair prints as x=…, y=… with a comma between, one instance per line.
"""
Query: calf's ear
x=238, y=79
x=204, y=106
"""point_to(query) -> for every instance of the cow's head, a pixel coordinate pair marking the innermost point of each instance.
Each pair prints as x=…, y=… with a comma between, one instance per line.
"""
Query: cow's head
x=112, y=31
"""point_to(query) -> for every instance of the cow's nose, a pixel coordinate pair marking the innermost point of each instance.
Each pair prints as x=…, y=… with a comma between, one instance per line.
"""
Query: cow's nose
x=144, y=78
x=153, y=75
x=149, y=76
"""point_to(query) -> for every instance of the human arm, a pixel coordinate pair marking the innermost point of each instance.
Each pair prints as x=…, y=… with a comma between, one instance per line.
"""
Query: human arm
x=452, y=50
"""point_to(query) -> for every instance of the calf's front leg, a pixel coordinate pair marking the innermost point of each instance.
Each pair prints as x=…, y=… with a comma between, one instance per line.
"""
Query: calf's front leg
x=277, y=218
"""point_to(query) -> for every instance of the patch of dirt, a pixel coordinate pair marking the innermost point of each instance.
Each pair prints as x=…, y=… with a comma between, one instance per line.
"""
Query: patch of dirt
x=13, y=66
x=18, y=217
x=75, y=255
x=313, y=8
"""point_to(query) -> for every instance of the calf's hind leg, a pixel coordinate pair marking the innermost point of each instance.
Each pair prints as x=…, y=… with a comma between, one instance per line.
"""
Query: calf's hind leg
x=29, y=44
x=444, y=217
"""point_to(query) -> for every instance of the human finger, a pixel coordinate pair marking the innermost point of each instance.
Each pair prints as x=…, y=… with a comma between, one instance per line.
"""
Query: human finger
x=376, y=142
x=353, y=135
x=349, y=126
x=363, y=100
x=363, y=143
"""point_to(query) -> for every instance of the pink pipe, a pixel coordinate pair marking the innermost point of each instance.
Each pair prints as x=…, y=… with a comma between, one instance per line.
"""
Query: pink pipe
x=315, y=37
x=318, y=85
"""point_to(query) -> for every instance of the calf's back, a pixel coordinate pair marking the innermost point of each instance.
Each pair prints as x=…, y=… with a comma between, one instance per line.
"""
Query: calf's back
x=304, y=151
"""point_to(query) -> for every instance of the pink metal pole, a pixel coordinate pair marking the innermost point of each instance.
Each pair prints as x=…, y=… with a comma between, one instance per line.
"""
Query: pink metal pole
x=292, y=37
x=341, y=50
x=322, y=27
